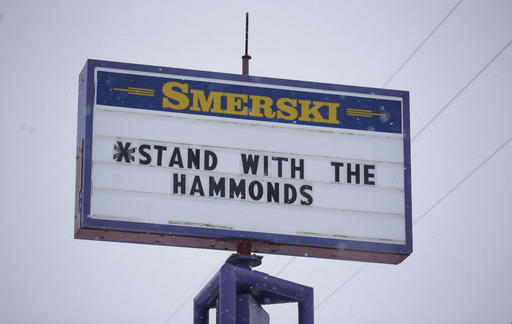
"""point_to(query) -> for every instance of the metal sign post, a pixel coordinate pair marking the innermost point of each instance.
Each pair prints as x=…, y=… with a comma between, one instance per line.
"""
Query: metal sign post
x=237, y=292
x=244, y=247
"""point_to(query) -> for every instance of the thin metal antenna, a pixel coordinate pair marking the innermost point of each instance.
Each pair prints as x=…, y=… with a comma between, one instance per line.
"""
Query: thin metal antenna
x=245, y=247
x=246, y=57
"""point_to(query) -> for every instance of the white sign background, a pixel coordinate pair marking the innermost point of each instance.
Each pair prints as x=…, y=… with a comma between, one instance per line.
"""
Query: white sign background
x=138, y=193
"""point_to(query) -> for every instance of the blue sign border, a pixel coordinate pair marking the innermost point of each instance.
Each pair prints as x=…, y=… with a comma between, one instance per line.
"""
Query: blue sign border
x=347, y=112
x=270, y=243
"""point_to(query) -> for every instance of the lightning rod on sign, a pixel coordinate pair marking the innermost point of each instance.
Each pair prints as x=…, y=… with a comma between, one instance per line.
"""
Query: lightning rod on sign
x=246, y=57
x=245, y=247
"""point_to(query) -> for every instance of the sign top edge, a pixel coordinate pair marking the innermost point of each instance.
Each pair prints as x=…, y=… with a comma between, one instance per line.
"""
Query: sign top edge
x=93, y=63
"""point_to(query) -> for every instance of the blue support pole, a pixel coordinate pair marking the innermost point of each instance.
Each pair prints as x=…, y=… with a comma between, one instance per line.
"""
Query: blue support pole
x=227, y=295
x=205, y=299
x=234, y=279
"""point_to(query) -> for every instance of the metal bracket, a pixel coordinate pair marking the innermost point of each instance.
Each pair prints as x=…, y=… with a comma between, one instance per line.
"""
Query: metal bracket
x=235, y=278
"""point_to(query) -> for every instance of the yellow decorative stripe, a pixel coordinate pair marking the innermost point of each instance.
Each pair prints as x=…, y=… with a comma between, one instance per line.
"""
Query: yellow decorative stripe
x=359, y=110
x=138, y=91
x=362, y=113
x=359, y=115
x=141, y=89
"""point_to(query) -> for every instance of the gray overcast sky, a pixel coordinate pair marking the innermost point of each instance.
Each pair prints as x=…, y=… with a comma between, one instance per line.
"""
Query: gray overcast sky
x=459, y=79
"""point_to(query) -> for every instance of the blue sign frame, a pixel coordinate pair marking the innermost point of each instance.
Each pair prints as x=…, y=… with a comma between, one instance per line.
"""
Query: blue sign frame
x=216, y=238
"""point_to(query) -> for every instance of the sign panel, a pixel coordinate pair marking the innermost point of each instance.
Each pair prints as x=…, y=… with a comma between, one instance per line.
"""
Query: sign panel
x=201, y=159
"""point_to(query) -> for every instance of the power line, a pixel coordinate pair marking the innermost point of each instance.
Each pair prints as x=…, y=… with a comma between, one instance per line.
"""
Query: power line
x=461, y=91
x=417, y=220
x=191, y=295
x=448, y=104
x=463, y=180
x=420, y=45
x=285, y=266
x=432, y=32
x=343, y=284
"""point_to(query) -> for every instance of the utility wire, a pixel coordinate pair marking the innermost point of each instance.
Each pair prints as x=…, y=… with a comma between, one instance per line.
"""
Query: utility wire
x=285, y=266
x=448, y=104
x=344, y=283
x=461, y=91
x=417, y=220
x=420, y=45
x=432, y=32
x=192, y=294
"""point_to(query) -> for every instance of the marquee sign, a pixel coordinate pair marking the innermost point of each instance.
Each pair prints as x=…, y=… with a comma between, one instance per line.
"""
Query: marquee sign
x=200, y=159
